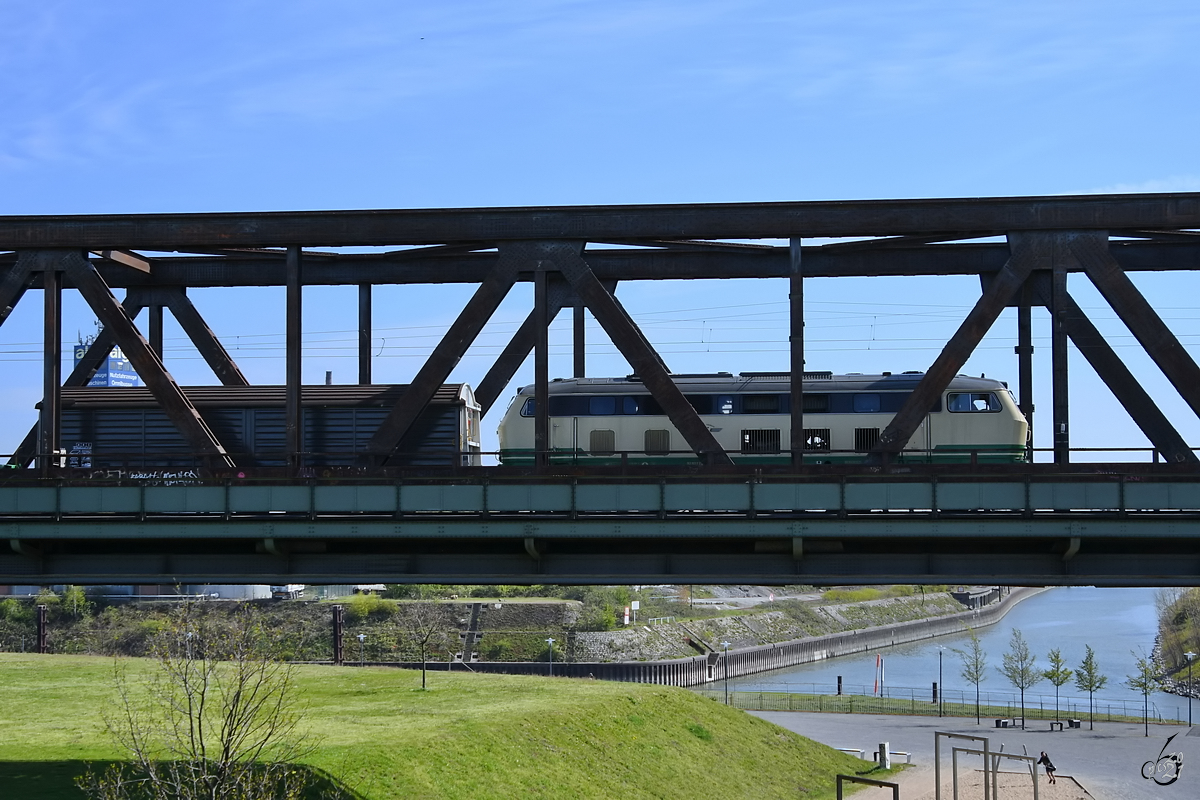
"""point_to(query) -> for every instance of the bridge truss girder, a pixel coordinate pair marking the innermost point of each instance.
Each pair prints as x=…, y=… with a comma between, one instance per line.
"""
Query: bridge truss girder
x=1022, y=249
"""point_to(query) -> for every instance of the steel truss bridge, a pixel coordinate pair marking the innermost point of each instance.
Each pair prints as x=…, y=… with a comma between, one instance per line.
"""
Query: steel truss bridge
x=1054, y=523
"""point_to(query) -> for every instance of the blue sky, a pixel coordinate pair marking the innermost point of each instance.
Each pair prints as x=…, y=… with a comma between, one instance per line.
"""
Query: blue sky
x=221, y=106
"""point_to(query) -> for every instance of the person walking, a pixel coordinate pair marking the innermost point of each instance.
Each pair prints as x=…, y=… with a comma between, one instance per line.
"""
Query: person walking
x=1045, y=759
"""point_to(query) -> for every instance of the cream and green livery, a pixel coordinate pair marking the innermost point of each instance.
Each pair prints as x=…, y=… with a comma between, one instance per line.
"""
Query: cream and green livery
x=615, y=420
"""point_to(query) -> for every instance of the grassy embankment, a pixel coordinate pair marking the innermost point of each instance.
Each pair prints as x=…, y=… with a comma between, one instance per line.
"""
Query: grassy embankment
x=476, y=736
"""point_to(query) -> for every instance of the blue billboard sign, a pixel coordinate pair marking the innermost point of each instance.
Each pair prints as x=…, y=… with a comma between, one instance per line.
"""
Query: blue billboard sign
x=115, y=371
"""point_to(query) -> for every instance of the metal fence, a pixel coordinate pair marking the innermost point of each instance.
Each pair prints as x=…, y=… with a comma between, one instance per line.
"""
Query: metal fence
x=919, y=702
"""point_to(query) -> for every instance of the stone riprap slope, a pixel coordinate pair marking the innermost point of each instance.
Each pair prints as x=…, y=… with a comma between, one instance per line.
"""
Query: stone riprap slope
x=782, y=621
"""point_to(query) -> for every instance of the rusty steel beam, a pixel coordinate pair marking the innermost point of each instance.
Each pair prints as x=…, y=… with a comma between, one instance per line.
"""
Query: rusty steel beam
x=520, y=346
x=166, y=391
x=269, y=269
x=954, y=355
x=602, y=223
x=51, y=413
x=1140, y=317
x=205, y=341
x=796, y=347
x=1116, y=376
x=445, y=357
x=14, y=283
x=579, y=340
x=634, y=346
x=541, y=370
x=293, y=413
x=125, y=258
x=84, y=369
x=364, y=333
x=1060, y=409
x=1024, y=352
x=154, y=329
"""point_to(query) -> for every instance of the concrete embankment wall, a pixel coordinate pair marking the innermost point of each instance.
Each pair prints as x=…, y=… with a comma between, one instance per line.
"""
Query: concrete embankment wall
x=702, y=669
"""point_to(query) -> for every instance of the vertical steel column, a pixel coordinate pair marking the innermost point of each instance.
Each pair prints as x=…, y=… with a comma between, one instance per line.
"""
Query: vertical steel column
x=796, y=338
x=338, y=621
x=295, y=283
x=43, y=643
x=364, y=333
x=1024, y=351
x=580, y=341
x=155, y=327
x=1058, y=358
x=51, y=367
x=541, y=370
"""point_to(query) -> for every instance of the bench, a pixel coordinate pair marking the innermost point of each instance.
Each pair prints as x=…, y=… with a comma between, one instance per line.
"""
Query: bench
x=856, y=750
x=1074, y=723
x=1003, y=723
x=1056, y=726
x=893, y=753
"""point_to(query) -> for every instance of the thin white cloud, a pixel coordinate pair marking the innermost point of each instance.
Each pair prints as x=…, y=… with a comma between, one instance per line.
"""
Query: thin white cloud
x=1172, y=183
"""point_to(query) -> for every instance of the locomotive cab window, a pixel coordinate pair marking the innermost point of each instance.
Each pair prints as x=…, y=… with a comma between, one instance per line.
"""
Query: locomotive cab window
x=971, y=402
x=760, y=404
x=867, y=403
x=602, y=406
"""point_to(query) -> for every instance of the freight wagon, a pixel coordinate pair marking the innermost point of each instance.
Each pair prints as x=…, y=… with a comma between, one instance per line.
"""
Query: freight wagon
x=109, y=427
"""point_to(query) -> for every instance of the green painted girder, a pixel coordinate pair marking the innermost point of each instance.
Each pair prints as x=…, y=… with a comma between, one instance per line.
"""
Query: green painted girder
x=866, y=527
x=549, y=498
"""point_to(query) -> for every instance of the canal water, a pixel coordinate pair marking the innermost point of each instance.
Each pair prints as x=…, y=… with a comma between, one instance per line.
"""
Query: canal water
x=1117, y=623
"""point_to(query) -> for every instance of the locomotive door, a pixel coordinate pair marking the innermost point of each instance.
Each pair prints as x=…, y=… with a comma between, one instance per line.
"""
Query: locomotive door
x=920, y=446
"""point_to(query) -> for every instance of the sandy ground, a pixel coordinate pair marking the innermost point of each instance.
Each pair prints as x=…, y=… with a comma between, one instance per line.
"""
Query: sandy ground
x=1106, y=763
x=917, y=783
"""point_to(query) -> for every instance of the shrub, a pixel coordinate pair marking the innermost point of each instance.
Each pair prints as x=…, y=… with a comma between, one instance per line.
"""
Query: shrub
x=362, y=606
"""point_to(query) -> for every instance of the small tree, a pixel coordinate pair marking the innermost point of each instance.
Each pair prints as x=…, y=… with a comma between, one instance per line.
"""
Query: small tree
x=1058, y=674
x=217, y=717
x=974, y=664
x=76, y=603
x=1145, y=679
x=1089, y=679
x=429, y=626
x=1019, y=667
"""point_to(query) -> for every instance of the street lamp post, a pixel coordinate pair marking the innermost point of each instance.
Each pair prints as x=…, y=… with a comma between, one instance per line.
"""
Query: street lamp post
x=941, y=686
x=362, y=637
x=550, y=643
x=1190, y=655
x=725, y=658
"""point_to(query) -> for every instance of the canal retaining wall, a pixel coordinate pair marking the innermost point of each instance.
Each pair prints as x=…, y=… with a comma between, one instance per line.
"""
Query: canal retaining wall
x=751, y=660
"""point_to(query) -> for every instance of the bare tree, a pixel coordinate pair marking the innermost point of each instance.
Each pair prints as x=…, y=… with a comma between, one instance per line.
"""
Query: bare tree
x=1088, y=678
x=429, y=626
x=217, y=717
x=1058, y=674
x=1019, y=667
x=974, y=665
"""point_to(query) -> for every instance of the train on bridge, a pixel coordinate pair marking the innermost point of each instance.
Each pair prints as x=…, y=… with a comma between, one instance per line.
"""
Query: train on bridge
x=614, y=420
x=598, y=421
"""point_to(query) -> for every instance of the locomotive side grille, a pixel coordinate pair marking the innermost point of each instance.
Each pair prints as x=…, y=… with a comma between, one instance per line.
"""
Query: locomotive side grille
x=760, y=441
x=602, y=443
x=658, y=442
x=816, y=438
x=865, y=439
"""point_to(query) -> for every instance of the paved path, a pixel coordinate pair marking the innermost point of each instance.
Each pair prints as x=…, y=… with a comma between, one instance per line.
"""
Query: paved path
x=1107, y=762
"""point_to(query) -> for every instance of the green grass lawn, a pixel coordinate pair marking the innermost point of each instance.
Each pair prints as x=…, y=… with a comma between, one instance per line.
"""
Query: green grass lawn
x=468, y=736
